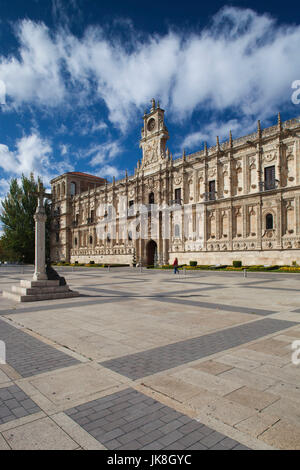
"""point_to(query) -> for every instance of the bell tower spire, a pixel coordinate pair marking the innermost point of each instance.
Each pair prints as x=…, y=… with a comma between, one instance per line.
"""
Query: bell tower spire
x=154, y=136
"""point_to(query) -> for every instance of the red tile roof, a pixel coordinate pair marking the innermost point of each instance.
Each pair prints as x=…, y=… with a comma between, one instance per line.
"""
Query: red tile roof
x=79, y=173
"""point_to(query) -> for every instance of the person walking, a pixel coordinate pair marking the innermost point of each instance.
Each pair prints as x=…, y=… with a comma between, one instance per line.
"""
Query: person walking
x=175, y=266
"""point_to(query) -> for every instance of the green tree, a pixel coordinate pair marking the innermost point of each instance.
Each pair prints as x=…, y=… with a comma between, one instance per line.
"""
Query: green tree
x=17, y=217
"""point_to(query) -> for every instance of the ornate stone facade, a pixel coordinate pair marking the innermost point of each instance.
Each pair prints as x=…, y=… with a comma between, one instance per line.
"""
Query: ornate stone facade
x=236, y=200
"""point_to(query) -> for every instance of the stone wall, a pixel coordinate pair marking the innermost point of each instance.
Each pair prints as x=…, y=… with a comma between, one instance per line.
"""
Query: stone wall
x=103, y=259
x=249, y=258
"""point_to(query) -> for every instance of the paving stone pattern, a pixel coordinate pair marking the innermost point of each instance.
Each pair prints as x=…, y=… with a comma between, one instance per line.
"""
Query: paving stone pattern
x=29, y=356
x=56, y=306
x=14, y=404
x=155, y=360
x=130, y=420
x=211, y=305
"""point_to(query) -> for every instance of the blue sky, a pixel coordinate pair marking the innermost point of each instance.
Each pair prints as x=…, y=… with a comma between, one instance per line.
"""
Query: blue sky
x=79, y=74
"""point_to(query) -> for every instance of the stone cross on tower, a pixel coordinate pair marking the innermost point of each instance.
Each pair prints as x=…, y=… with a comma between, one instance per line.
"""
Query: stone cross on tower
x=40, y=251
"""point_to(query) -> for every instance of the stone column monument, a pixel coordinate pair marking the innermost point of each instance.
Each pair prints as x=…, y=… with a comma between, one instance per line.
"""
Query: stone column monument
x=40, y=245
x=40, y=288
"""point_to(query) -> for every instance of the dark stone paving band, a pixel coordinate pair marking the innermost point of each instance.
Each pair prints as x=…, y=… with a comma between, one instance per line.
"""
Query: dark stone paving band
x=29, y=356
x=272, y=288
x=142, y=364
x=74, y=304
x=210, y=305
x=130, y=420
x=14, y=404
x=102, y=299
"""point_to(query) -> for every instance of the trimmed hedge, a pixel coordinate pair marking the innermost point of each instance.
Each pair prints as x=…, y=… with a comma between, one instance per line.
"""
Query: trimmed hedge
x=91, y=264
x=236, y=264
x=290, y=269
x=193, y=267
x=232, y=268
x=262, y=268
x=274, y=268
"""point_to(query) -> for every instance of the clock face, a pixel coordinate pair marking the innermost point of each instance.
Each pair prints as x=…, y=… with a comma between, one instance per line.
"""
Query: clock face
x=151, y=124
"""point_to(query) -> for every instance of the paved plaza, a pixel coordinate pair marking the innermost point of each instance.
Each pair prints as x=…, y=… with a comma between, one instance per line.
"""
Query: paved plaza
x=152, y=360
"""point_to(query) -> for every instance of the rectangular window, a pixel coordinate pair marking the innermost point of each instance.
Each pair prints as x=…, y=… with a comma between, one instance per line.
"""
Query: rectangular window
x=270, y=177
x=178, y=196
x=212, y=190
x=131, y=208
x=92, y=217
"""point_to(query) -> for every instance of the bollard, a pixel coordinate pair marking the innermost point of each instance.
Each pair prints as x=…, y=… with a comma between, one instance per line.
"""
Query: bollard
x=245, y=273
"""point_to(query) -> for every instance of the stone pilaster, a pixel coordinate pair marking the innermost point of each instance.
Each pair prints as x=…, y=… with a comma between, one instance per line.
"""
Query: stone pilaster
x=230, y=225
x=245, y=170
x=297, y=214
x=244, y=215
x=259, y=224
x=279, y=222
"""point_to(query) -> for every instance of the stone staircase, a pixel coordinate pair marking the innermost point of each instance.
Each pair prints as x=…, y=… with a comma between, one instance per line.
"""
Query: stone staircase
x=30, y=291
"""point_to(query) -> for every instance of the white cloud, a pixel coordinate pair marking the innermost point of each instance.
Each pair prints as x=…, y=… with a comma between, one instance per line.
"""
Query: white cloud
x=103, y=152
x=4, y=188
x=63, y=149
x=32, y=154
x=100, y=157
x=87, y=124
x=65, y=11
x=34, y=77
x=210, y=131
x=109, y=171
x=243, y=60
x=99, y=126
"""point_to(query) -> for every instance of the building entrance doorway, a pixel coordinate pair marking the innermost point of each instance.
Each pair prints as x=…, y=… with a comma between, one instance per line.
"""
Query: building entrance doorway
x=151, y=250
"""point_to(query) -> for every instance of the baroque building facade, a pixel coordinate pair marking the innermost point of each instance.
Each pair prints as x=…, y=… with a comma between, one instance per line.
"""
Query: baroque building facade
x=239, y=200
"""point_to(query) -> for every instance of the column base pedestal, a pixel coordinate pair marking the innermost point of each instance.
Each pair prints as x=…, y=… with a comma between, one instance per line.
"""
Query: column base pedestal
x=32, y=291
x=40, y=277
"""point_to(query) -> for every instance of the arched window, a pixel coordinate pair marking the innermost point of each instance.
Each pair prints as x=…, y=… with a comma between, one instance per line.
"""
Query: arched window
x=91, y=239
x=129, y=235
x=151, y=198
x=269, y=221
x=177, y=231
x=72, y=188
x=75, y=241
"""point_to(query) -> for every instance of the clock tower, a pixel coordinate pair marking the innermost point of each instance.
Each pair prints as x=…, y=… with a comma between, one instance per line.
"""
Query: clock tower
x=154, y=137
